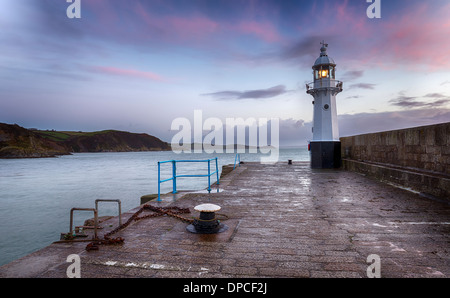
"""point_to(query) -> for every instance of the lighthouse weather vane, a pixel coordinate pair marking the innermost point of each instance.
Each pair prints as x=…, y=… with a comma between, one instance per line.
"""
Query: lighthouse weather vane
x=325, y=146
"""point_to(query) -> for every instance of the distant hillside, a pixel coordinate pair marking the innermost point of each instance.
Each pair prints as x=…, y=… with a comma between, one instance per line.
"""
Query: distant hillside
x=18, y=142
x=106, y=141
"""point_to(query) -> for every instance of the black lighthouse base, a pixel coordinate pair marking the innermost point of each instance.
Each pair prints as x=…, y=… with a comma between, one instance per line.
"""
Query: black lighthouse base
x=325, y=155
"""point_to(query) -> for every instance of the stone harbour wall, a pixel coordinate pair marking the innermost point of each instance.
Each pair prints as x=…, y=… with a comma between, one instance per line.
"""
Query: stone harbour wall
x=417, y=158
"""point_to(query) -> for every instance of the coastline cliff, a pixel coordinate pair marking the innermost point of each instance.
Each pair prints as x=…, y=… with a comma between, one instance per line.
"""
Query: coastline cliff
x=19, y=142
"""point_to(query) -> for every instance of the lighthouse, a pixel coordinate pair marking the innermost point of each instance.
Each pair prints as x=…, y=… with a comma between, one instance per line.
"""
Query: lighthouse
x=325, y=145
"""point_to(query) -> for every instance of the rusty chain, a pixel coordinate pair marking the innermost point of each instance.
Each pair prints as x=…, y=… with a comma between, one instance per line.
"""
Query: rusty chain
x=158, y=211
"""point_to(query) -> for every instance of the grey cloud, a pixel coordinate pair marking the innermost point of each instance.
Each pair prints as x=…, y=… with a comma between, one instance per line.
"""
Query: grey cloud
x=374, y=122
x=435, y=95
x=308, y=46
x=414, y=102
x=298, y=132
x=301, y=53
x=406, y=101
x=352, y=75
x=295, y=132
x=440, y=102
x=253, y=94
x=305, y=50
x=362, y=86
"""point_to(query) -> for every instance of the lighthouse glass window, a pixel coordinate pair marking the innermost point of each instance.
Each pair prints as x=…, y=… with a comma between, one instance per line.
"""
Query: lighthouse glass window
x=321, y=73
x=327, y=72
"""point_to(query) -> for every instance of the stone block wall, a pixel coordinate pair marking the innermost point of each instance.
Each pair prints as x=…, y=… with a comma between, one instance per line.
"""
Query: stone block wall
x=417, y=157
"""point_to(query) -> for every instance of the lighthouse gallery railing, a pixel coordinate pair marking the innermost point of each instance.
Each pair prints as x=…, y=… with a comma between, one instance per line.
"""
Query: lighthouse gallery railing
x=333, y=84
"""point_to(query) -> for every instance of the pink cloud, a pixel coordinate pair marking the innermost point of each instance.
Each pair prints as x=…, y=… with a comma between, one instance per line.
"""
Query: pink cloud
x=342, y=10
x=176, y=26
x=127, y=72
x=204, y=28
x=347, y=19
x=103, y=10
x=263, y=30
x=413, y=38
x=197, y=26
x=416, y=38
x=137, y=23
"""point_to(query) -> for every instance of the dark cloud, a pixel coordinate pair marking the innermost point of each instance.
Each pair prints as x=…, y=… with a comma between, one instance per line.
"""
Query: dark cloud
x=374, y=122
x=440, y=102
x=305, y=47
x=362, y=86
x=435, y=95
x=298, y=132
x=352, y=75
x=406, y=102
x=354, y=96
x=415, y=102
x=253, y=94
x=305, y=50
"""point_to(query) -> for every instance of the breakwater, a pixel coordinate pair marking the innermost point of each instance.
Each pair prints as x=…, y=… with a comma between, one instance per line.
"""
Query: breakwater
x=55, y=185
x=285, y=220
x=417, y=158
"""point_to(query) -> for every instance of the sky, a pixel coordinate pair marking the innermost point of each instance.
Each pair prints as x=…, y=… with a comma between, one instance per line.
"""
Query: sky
x=137, y=65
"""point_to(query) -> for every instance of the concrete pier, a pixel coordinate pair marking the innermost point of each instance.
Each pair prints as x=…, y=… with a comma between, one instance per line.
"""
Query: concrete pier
x=284, y=221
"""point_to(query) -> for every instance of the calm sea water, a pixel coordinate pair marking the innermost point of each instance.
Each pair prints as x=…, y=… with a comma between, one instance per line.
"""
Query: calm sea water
x=36, y=195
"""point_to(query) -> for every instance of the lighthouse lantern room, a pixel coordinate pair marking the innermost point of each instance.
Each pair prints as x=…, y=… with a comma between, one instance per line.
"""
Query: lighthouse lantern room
x=325, y=146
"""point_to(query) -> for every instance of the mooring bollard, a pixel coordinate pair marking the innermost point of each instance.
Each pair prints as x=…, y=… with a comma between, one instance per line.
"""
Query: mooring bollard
x=207, y=223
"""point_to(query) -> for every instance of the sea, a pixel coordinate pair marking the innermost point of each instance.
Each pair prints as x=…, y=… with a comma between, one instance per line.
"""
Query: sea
x=36, y=194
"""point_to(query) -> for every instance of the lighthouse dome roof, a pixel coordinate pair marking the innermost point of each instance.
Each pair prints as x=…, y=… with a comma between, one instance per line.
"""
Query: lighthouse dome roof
x=324, y=59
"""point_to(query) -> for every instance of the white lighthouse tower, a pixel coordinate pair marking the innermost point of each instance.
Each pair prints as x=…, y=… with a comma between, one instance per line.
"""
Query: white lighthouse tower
x=325, y=146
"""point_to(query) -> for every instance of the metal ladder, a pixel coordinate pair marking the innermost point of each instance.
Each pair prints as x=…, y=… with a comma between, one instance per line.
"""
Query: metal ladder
x=72, y=235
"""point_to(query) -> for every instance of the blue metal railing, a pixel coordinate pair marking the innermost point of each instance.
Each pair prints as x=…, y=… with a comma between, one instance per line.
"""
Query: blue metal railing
x=175, y=176
x=238, y=158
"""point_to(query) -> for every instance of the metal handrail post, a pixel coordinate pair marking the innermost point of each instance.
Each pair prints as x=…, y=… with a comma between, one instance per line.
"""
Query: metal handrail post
x=209, y=175
x=217, y=172
x=84, y=209
x=159, y=182
x=112, y=200
x=174, y=176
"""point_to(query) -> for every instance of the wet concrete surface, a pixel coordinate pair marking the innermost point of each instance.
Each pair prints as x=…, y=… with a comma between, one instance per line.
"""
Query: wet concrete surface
x=284, y=221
